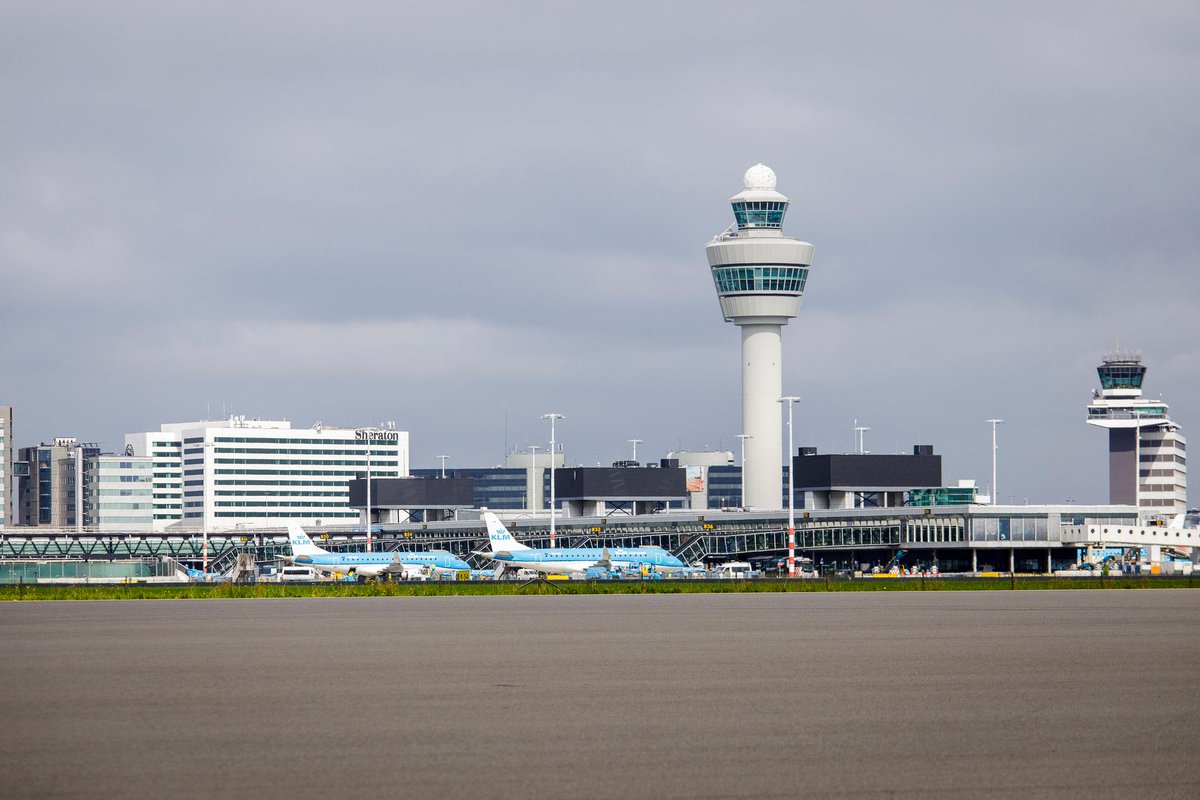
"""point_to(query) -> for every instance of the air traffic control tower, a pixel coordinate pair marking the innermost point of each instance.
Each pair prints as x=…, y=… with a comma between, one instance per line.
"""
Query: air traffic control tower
x=760, y=274
x=1147, y=455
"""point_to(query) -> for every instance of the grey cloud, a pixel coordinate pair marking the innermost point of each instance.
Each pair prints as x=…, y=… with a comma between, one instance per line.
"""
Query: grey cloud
x=996, y=195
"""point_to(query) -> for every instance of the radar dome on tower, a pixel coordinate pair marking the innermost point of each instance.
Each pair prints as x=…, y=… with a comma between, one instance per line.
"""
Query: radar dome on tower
x=760, y=176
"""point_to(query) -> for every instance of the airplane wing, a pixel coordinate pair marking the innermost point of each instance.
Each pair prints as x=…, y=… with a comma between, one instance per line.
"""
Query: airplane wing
x=605, y=561
x=397, y=566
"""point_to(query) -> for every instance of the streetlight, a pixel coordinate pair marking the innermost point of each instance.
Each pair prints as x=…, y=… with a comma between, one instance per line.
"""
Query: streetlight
x=370, y=433
x=443, y=458
x=791, y=400
x=994, y=422
x=859, y=439
x=1137, y=463
x=744, y=437
x=635, y=443
x=552, y=417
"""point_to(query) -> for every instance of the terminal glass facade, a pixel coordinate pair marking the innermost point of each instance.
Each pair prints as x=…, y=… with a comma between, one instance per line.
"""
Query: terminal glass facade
x=941, y=496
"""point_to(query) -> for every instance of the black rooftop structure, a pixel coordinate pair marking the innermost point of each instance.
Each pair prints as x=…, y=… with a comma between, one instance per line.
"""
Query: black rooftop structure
x=591, y=490
x=420, y=498
x=867, y=471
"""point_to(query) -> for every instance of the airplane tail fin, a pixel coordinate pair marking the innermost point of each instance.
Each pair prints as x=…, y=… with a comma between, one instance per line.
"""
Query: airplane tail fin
x=301, y=544
x=501, y=538
x=1176, y=522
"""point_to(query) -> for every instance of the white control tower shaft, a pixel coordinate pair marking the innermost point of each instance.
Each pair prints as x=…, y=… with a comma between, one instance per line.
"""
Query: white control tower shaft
x=762, y=386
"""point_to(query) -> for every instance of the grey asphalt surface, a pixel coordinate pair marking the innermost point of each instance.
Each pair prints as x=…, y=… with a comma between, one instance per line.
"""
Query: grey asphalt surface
x=954, y=694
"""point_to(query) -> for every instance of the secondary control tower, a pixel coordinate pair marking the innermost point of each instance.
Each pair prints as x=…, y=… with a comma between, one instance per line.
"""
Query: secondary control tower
x=760, y=274
x=1147, y=456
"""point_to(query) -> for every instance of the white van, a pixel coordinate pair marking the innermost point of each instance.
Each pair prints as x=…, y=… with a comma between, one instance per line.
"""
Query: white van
x=296, y=575
x=734, y=570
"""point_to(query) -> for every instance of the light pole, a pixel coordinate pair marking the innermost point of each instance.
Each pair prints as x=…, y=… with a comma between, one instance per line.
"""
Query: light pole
x=635, y=443
x=791, y=400
x=994, y=422
x=1137, y=463
x=552, y=417
x=370, y=433
x=859, y=439
x=744, y=437
x=443, y=458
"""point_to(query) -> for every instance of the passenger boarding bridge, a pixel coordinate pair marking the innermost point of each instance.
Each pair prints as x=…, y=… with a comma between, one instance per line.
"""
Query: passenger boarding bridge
x=967, y=538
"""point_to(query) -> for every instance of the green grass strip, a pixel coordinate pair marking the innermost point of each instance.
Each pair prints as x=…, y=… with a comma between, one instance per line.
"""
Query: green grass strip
x=135, y=591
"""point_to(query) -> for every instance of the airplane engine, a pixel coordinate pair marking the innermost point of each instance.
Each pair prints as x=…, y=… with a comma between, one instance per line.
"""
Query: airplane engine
x=369, y=571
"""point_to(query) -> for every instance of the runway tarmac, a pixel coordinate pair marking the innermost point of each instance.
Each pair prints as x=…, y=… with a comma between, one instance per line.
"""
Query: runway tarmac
x=938, y=694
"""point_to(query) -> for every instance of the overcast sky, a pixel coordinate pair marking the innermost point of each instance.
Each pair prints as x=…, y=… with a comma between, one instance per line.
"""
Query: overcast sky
x=461, y=216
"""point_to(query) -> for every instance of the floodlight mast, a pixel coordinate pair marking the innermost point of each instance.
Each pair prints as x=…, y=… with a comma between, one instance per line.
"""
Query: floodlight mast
x=552, y=417
x=1137, y=462
x=994, y=423
x=370, y=434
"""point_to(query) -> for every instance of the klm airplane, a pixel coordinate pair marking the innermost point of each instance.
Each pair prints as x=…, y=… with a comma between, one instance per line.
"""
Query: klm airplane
x=369, y=565
x=510, y=553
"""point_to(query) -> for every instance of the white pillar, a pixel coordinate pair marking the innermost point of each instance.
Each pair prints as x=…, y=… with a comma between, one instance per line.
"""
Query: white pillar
x=762, y=385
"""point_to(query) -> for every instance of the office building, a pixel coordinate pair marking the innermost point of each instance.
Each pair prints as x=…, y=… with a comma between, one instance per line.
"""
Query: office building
x=117, y=493
x=47, y=496
x=247, y=473
x=1147, y=452
x=760, y=276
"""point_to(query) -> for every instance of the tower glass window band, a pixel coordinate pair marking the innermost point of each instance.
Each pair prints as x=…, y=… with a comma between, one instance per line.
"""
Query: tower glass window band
x=1121, y=376
x=759, y=214
x=760, y=279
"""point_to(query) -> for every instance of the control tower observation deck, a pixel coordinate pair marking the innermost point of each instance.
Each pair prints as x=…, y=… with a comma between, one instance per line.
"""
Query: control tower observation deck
x=760, y=275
